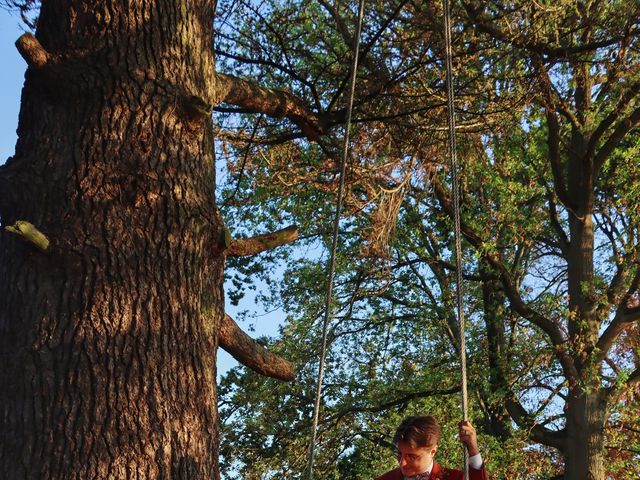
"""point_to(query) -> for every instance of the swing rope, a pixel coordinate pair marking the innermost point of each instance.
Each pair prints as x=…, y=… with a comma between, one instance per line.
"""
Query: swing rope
x=456, y=214
x=453, y=161
x=334, y=245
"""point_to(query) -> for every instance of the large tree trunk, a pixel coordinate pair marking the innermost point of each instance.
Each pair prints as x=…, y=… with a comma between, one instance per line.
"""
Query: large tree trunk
x=108, y=369
x=586, y=416
x=586, y=407
x=493, y=299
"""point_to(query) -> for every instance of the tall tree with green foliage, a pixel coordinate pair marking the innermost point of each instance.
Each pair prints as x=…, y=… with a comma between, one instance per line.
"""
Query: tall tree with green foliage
x=548, y=105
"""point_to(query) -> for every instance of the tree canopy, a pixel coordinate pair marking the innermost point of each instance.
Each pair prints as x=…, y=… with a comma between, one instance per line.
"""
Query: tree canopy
x=547, y=104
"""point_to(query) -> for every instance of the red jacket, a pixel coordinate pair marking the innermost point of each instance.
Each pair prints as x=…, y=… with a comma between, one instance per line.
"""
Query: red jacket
x=440, y=473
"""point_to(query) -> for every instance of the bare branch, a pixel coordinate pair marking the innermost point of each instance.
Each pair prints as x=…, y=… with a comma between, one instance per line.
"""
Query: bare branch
x=251, y=354
x=260, y=243
x=32, y=51
x=275, y=103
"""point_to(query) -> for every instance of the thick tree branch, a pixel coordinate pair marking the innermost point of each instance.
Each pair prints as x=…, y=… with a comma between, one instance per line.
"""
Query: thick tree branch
x=614, y=139
x=251, y=354
x=553, y=143
x=521, y=417
x=260, y=243
x=621, y=321
x=32, y=51
x=609, y=120
x=275, y=103
x=267, y=63
x=624, y=316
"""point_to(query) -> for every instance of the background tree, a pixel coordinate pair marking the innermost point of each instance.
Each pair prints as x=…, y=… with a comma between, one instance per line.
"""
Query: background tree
x=548, y=105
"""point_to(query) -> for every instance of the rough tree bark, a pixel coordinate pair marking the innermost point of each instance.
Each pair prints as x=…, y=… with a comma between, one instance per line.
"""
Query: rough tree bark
x=108, y=338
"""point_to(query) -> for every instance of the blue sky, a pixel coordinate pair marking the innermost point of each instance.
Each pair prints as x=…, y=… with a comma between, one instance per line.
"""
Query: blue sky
x=11, y=79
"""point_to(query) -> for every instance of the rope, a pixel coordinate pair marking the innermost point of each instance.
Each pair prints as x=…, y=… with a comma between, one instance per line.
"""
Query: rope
x=334, y=245
x=456, y=215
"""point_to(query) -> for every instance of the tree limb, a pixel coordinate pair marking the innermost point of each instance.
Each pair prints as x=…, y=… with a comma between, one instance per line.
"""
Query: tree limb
x=275, y=103
x=553, y=143
x=30, y=233
x=255, y=245
x=538, y=433
x=266, y=63
x=623, y=318
x=364, y=52
x=609, y=120
x=614, y=139
x=616, y=286
x=406, y=397
x=621, y=321
x=251, y=354
x=32, y=51
x=634, y=378
x=563, y=240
